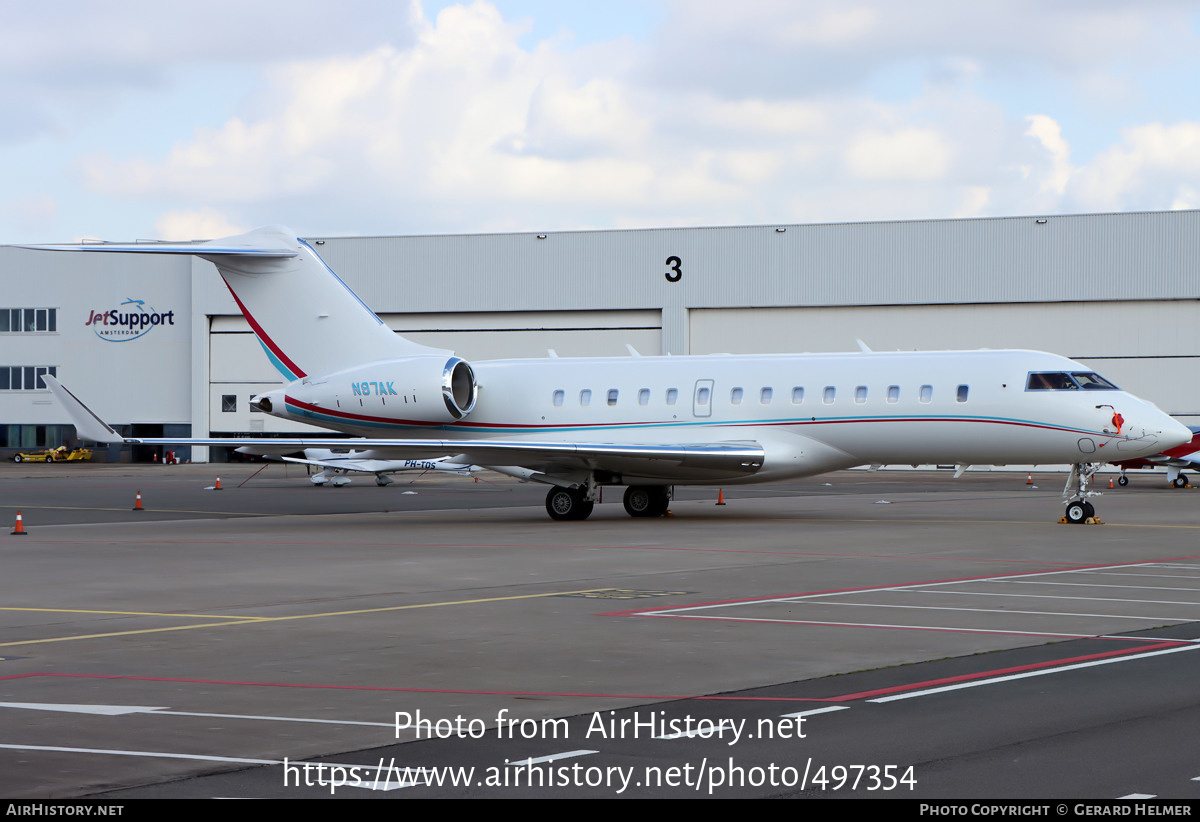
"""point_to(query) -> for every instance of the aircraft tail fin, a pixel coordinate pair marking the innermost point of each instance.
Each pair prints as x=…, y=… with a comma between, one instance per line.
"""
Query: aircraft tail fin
x=308, y=321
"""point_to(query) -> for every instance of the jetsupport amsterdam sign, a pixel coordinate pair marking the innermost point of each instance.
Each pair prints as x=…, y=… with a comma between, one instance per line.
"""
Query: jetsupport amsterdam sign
x=128, y=321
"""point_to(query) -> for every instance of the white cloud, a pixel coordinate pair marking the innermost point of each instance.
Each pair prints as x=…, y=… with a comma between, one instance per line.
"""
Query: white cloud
x=771, y=111
x=203, y=224
x=911, y=154
x=1154, y=166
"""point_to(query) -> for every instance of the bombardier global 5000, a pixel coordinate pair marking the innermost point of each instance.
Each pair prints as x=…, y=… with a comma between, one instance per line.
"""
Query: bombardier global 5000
x=648, y=423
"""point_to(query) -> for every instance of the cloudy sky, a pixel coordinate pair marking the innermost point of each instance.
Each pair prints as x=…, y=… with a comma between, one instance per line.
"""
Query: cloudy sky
x=138, y=119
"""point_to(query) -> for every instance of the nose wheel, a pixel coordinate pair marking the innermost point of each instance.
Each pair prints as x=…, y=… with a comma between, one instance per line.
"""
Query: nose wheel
x=1079, y=510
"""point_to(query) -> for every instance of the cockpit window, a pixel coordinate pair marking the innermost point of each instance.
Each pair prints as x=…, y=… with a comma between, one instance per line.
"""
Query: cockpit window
x=1092, y=381
x=1062, y=381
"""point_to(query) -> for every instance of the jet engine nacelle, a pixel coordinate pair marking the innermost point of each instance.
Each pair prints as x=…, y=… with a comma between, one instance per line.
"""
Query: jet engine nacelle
x=431, y=389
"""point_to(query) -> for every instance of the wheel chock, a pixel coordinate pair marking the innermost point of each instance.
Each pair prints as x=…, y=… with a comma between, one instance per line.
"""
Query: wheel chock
x=1088, y=521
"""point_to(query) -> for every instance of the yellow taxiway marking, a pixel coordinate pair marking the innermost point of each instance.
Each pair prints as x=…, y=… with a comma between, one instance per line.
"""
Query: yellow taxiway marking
x=129, y=613
x=260, y=620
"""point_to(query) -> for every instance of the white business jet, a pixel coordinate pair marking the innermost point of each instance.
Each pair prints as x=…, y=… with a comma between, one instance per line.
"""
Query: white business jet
x=649, y=423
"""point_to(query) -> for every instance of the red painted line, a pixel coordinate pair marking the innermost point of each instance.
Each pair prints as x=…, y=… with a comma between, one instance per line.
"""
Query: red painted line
x=933, y=683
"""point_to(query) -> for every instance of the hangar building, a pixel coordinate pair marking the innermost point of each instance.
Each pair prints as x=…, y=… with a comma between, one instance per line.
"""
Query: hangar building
x=157, y=346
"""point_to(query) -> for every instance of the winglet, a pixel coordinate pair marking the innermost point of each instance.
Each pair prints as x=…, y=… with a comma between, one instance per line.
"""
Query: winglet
x=87, y=424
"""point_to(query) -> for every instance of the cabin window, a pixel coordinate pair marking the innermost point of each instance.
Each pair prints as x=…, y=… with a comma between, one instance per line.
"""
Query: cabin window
x=672, y=395
x=735, y=396
x=764, y=396
x=893, y=393
x=797, y=395
x=585, y=397
x=702, y=396
x=926, y=393
x=644, y=396
x=558, y=398
x=961, y=396
x=612, y=396
x=860, y=394
x=830, y=394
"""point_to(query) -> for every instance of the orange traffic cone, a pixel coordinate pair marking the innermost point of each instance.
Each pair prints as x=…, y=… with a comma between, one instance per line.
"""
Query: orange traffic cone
x=19, y=529
x=1029, y=479
x=217, y=487
x=1110, y=484
x=720, y=496
x=137, y=505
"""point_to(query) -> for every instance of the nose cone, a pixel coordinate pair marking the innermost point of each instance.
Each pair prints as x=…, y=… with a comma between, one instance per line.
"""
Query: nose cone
x=1174, y=433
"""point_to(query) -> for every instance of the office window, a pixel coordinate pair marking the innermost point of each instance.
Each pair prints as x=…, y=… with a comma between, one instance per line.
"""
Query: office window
x=228, y=403
x=28, y=320
x=25, y=377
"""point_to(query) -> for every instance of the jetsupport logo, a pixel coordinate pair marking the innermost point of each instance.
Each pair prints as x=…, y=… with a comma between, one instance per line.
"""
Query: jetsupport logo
x=117, y=325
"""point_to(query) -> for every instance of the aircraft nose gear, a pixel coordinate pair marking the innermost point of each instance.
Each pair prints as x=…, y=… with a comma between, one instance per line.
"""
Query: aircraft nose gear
x=1079, y=510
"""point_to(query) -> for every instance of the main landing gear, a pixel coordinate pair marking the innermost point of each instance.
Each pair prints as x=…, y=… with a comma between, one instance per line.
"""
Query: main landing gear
x=577, y=503
x=568, y=503
x=1079, y=510
x=647, y=500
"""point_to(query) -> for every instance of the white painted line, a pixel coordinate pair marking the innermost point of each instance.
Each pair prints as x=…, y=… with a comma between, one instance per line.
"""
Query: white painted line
x=99, y=710
x=280, y=719
x=123, y=710
x=551, y=758
x=806, y=597
x=1143, y=576
x=1096, y=585
x=829, y=709
x=1053, y=596
x=889, y=625
x=152, y=754
x=1008, y=611
x=1029, y=674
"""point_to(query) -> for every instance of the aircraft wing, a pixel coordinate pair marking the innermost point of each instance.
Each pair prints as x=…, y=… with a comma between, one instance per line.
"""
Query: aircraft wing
x=376, y=466
x=667, y=461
